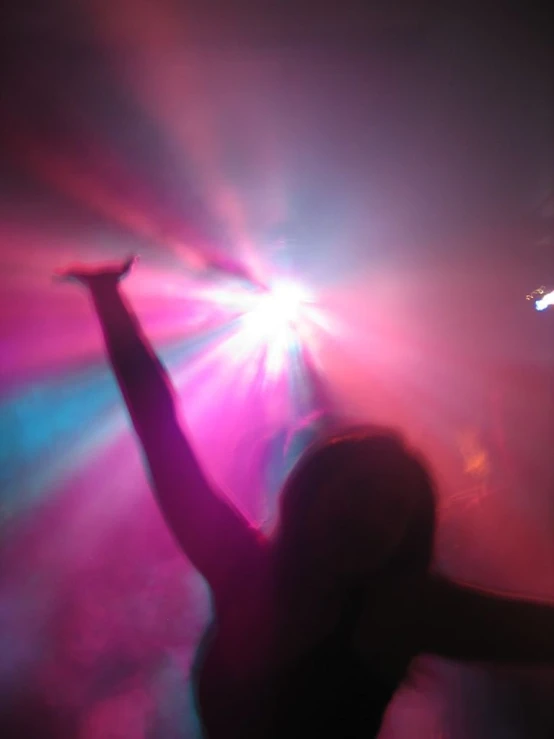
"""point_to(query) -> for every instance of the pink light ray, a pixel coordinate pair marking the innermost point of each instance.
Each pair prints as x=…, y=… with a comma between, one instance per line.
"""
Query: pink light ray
x=174, y=96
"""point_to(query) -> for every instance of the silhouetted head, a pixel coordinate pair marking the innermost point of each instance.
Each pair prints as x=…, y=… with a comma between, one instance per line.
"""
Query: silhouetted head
x=354, y=503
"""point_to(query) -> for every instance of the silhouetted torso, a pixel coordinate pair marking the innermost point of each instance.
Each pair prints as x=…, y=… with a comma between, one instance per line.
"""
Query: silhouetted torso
x=249, y=690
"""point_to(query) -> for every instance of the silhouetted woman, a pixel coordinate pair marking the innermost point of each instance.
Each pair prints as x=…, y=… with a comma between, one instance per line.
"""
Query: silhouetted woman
x=314, y=628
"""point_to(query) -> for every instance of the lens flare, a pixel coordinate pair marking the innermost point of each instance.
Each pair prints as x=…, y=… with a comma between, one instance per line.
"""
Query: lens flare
x=273, y=321
x=278, y=309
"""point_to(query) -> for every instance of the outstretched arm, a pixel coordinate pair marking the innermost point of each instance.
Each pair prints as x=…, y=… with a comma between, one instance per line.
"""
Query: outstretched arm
x=468, y=624
x=212, y=533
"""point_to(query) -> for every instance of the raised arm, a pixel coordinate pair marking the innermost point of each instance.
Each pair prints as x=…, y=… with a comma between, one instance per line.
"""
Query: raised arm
x=212, y=533
x=465, y=623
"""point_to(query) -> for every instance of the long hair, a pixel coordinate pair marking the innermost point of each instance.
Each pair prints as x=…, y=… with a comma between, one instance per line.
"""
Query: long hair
x=354, y=503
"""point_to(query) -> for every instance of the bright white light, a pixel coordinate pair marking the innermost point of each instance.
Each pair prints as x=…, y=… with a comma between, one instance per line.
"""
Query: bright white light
x=277, y=310
x=545, y=301
x=285, y=301
x=273, y=321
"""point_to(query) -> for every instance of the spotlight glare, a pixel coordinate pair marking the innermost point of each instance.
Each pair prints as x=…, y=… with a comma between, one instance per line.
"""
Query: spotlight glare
x=285, y=301
x=273, y=321
x=277, y=309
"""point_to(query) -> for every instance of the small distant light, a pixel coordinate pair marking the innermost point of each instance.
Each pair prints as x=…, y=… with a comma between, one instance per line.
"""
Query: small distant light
x=545, y=301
